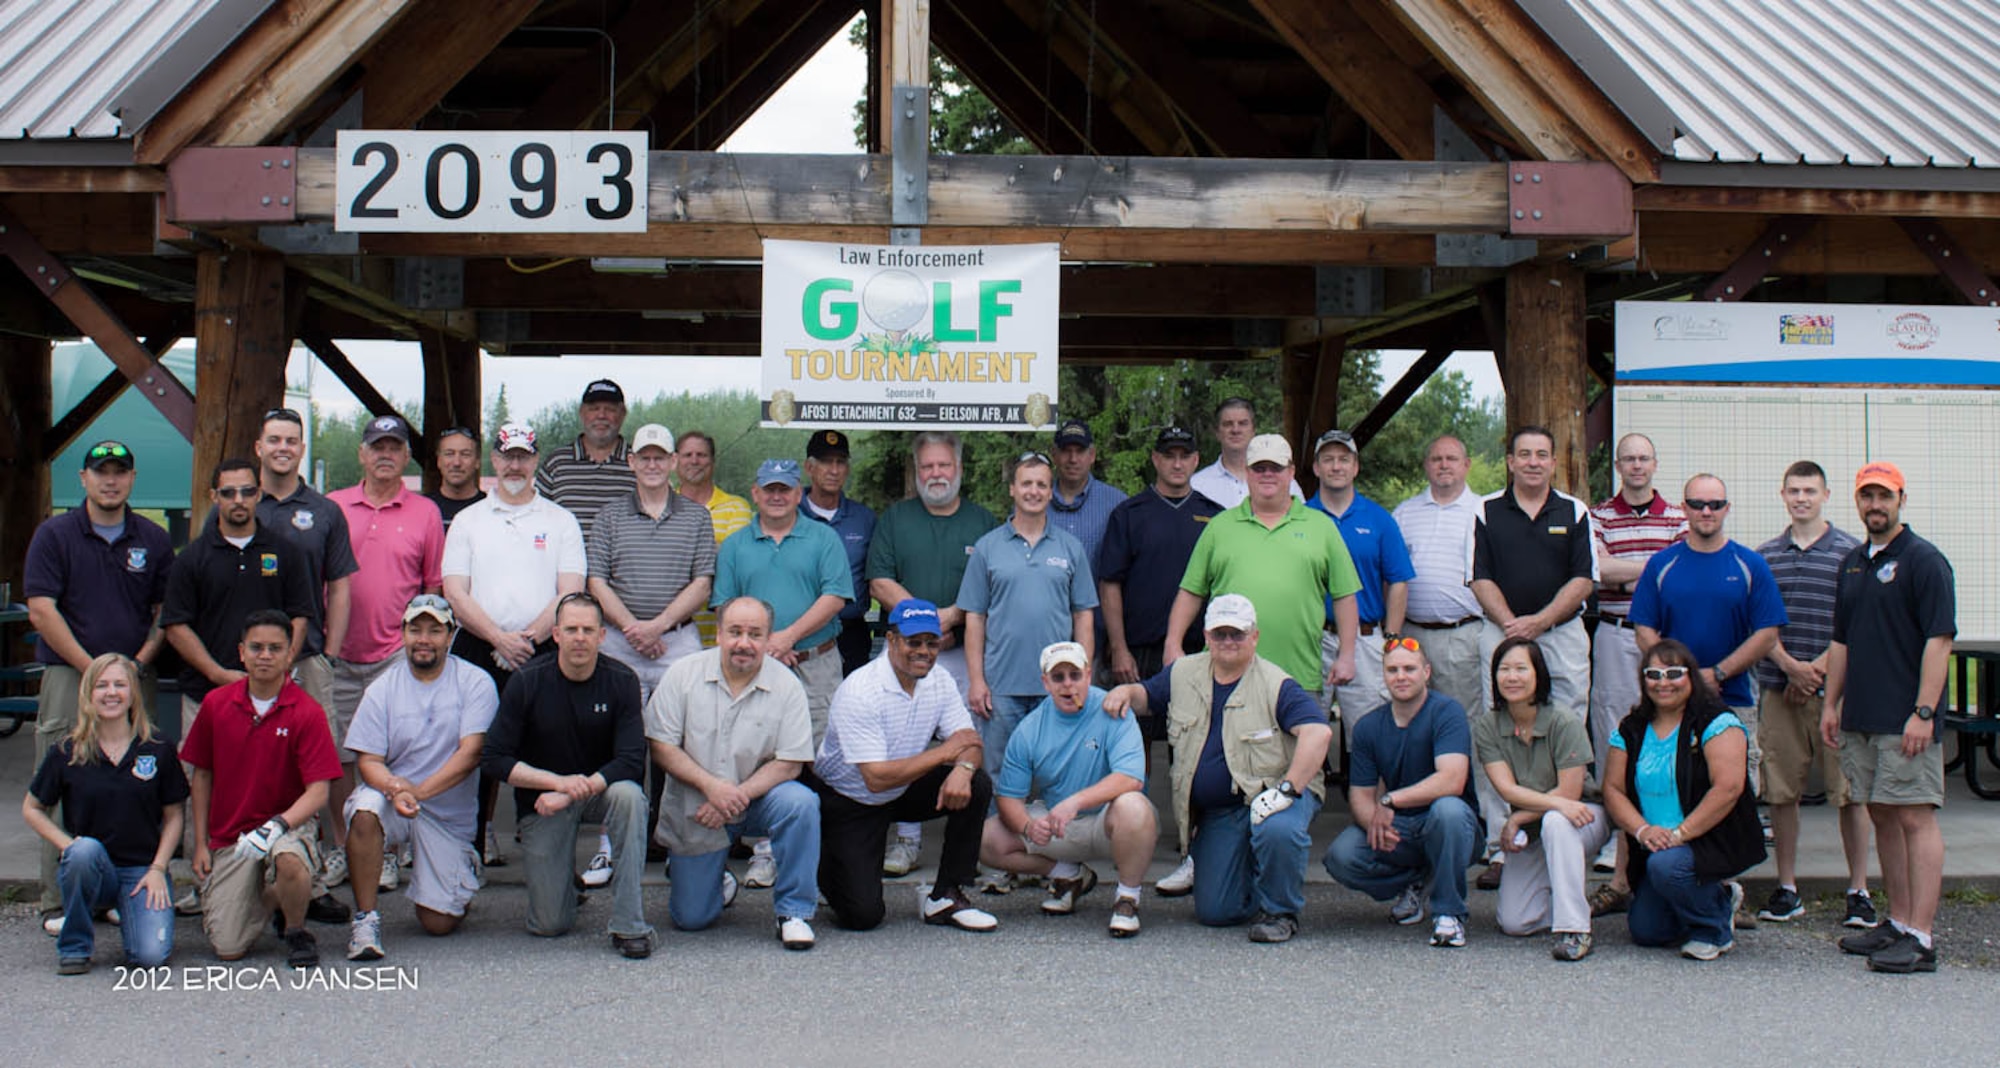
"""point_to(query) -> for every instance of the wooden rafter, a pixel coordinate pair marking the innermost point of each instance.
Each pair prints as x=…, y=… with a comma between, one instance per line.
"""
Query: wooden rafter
x=734, y=90
x=1011, y=62
x=407, y=72
x=256, y=49
x=1486, y=70
x=1223, y=125
x=574, y=98
x=1395, y=102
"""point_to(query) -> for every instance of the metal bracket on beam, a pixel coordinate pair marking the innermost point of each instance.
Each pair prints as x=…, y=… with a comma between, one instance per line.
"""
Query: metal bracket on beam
x=430, y=283
x=1347, y=292
x=233, y=185
x=1450, y=144
x=1546, y=199
x=310, y=239
x=909, y=156
x=1742, y=276
x=1959, y=268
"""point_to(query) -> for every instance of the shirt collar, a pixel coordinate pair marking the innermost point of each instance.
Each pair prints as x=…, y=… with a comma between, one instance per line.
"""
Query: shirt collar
x=582, y=455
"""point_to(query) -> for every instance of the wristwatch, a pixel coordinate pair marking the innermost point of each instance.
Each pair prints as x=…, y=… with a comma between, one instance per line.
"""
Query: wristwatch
x=1291, y=791
x=1721, y=676
x=1925, y=712
x=1385, y=802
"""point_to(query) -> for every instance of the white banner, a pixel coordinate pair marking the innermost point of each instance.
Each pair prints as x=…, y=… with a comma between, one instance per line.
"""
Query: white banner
x=425, y=181
x=901, y=337
x=1822, y=344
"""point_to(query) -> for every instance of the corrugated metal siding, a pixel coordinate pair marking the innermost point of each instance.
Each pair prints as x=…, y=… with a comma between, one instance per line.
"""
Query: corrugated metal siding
x=1903, y=83
x=62, y=61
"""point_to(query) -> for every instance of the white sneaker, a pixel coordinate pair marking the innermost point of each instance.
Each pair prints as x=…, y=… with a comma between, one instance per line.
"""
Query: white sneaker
x=364, y=936
x=1179, y=882
x=900, y=857
x=53, y=924
x=955, y=911
x=795, y=933
x=598, y=873
x=763, y=870
x=392, y=872
x=189, y=904
x=334, y=868
x=1607, y=858
x=406, y=856
x=728, y=888
x=1448, y=933
x=995, y=882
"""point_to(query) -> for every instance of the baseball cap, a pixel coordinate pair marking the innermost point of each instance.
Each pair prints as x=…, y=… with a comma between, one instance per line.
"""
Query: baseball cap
x=825, y=443
x=432, y=605
x=1268, y=449
x=1880, y=473
x=653, y=436
x=1174, y=437
x=515, y=436
x=1065, y=653
x=1073, y=432
x=107, y=452
x=1230, y=610
x=913, y=617
x=778, y=472
x=603, y=389
x=386, y=426
x=1336, y=437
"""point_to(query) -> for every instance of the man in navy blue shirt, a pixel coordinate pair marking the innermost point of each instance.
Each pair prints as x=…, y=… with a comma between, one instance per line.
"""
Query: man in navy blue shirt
x=827, y=501
x=1406, y=788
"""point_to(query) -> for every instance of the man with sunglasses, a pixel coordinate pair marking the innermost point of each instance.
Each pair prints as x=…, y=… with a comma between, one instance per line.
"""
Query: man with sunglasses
x=94, y=579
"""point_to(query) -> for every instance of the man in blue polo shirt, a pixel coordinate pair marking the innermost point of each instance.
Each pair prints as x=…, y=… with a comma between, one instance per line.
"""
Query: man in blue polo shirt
x=94, y=579
x=1381, y=559
x=826, y=500
x=1080, y=503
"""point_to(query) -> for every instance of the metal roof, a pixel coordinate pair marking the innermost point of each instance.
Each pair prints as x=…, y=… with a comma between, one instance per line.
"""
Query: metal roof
x=65, y=63
x=1864, y=83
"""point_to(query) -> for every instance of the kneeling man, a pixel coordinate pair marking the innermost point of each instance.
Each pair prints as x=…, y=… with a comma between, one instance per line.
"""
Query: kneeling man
x=1248, y=743
x=731, y=727
x=1073, y=787
x=1405, y=787
x=417, y=733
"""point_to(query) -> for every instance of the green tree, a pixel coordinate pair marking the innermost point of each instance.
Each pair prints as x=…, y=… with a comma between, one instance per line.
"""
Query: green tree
x=963, y=120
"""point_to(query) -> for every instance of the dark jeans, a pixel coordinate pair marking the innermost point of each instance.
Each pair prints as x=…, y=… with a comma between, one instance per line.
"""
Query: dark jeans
x=479, y=653
x=855, y=643
x=852, y=836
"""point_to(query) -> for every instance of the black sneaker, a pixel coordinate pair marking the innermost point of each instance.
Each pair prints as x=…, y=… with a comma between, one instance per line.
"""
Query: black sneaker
x=327, y=909
x=1870, y=942
x=1860, y=910
x=302, y=949
x=1784, y=905
x=1267, y=928
x=1903, y=956
x=633, y=948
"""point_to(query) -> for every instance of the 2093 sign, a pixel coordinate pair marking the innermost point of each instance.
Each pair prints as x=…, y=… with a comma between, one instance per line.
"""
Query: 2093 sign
x=405, y=181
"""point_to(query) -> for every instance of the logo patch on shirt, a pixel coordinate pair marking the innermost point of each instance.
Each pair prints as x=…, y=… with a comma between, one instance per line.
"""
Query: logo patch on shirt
x=303, y=520
x=600, y=707
x=1558, y=530
x=1059, y=561
x=1887, y=574
x=267, y=564
x=541, y=542
x=135, y=558
x=284, y=732
x=145, y=767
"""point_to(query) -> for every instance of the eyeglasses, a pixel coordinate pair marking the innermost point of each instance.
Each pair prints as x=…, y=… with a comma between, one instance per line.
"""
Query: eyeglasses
x=236, y=493
x=1694, y=505
x=287, y=414
x=109, y=452
x=1227, y=636
x=1392, y=644
x=1665, y=674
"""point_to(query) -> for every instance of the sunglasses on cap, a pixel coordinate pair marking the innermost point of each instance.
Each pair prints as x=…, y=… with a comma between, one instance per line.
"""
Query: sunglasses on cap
x=1393, y=644
x=109, y=452
x=465, y=431
x=1036, y=457
x=289, y=415
x=1665, y=674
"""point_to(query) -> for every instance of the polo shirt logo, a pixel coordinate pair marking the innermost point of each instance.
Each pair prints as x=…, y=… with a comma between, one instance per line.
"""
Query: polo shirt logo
x=303, y=520
x=600, y=708
x=145, y=767
x=267, y=564
x=1059, y=561
x=1887, y=574
x=135, y=558
x=284, y=732
x=541, y=542
x=1558, y=530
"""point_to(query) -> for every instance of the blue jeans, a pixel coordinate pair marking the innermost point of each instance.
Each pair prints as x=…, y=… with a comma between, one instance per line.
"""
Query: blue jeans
x=1008, y=712
x=789, y=815
x=1669, y=907
x=1241, y=870
x=89, y=882
x=1436, y=847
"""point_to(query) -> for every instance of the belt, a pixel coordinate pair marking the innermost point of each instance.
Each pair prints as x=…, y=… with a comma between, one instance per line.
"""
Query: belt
x=823, y=648
x=1451, y=625
x=1618, y=621
x=1367, y=629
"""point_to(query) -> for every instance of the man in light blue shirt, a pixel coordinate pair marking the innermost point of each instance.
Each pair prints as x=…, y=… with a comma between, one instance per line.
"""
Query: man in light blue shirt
x=1382, y=561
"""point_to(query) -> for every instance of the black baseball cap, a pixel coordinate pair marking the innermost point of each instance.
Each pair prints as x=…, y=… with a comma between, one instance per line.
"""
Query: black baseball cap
x=825, y=443
x=108, y=452
x=1073, y=432
x=1174, y=437
x=603, y=389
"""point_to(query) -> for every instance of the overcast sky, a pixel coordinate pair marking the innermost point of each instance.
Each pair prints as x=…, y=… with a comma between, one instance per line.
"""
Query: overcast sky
x=812, y=113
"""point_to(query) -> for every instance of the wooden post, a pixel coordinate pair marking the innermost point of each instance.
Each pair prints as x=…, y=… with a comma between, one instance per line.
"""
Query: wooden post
x=1545, y=374
x=24, y=469
x=451, y=394
x=243, y=338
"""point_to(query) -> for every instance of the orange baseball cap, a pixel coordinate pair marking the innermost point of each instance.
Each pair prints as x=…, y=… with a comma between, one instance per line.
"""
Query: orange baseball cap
x=1879, y=473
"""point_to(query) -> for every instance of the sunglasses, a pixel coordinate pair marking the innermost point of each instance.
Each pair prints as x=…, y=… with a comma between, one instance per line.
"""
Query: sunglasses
x=1665, y=674
x=1694, y=505
x=1393, y=644
x=432, y=600
x=1034, y=457
x=287, y=414
x=109, y=452
x=1227, y=635
x=236, y=493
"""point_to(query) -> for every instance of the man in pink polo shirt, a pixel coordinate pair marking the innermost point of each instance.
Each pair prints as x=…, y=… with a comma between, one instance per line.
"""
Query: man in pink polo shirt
x=398, y=539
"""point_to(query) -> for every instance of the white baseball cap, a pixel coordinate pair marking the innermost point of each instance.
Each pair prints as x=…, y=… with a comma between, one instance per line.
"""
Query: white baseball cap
x=1268, y=449
x=1231, y=610
x=1065, y=653
x=653, y=435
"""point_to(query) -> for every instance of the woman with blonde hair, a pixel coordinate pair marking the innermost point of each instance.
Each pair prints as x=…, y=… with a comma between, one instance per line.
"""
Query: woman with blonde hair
x=123, y=795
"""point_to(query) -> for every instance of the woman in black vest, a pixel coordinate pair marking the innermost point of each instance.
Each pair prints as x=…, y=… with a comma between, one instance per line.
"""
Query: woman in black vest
x=1677, y=785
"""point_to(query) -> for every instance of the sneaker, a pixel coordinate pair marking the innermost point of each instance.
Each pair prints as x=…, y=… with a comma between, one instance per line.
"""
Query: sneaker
x=111, y=917
x=1860, y=910
x=1179, y=882
x=407, y=855
x=1904, y=956
x=1705, y=950
x=1740, y=918
x=1125, y=917
x=1409, y=906
x=1606, y=862
x=1868, y=942
x=1608, y=900
x=491, y=854
x=956, y=910
x=1272, y=929
x=900, y=857
x=53, y=924
x=302, y=949
x=1490, y=878
x=994, y=882
x=188, y=904
x=333, y=869
x=1448, y=933
x=1571, y=946
x=392, y=873
x=633, y=948
x=73, y=966
x=598, y=872
x=1783, y=906
x=729, y=888
x=795, y=933
x=763, y=871
x=364, y=938
x=327, y=909
x=1064, y=892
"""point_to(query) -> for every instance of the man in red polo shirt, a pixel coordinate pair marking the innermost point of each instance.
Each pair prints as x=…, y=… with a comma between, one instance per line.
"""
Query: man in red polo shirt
x=262, y=758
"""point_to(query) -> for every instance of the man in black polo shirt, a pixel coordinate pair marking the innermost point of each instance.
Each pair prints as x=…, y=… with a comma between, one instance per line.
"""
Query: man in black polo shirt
x=458, y=473
x=94, y=580
x=1533, y=565
x=1894, y=617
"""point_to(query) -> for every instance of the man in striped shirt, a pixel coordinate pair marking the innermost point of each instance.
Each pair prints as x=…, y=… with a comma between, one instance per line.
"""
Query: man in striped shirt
x=594, y=471
x=1437, y=527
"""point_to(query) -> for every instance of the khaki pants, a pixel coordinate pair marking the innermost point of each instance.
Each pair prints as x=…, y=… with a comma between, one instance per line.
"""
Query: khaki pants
x=234, y=908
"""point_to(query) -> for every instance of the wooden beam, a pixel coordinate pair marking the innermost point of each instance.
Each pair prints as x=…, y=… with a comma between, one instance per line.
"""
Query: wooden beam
x=1162, y=63
x=1699, y=243
x=256, y=49
x=738, y=80
x=95, y=224
x=1484, y=69
x=407, y=72
x=1399, y=394
x=1323, y=412
x=1046, y=101
x=82, y=180
x=575, y=97
x=1390, y=96
x=269, y=103
x=241, y=346
x=24, y=464
x=1298, y=367
x=902, y=58
x=1759, y=259
x=1544, y=375
x=1935, y=242
x=1796, y=201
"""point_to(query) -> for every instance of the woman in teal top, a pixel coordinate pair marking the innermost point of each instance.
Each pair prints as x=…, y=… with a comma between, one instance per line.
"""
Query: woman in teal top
x=1684, y=801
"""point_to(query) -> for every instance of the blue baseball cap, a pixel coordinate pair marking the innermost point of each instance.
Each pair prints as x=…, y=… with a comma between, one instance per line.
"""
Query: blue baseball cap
x=778, y=472
x=913, y=617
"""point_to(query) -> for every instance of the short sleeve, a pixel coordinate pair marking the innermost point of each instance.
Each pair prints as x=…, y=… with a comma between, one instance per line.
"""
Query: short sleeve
x=666, y=710
x=478, y=701
x=795, y=732
x=975, y=589
x=369, y=731
x=47, y=786
x=1128, y=747
x=1195, y=579
x=861, y=737
x=457, y=557
x=882, y=551
x=1297, y=708
x=1452, y=736
x=1396, y=563
x=1645, y=609
x=340, y=561
x=1486, y=740
x=572, y=561
x=1568, y=741
x=1722, y=723
x=1937, y=600
x=728, y=584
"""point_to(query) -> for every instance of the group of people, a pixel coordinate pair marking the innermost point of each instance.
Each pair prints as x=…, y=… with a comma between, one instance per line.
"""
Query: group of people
x=628, y=645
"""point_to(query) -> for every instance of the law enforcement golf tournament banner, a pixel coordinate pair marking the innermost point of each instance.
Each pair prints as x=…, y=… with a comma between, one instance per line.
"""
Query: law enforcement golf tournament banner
x=901, y=337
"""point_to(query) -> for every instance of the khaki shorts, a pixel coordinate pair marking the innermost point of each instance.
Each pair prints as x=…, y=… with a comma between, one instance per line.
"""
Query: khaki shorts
x=1086, y=837
x=314, y=674
x=1879, y=774
x=1789, y=735
x=348, y=681
x=234, y=911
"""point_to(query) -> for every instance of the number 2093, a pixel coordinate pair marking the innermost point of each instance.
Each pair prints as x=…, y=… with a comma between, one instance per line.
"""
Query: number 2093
x=404, y=181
